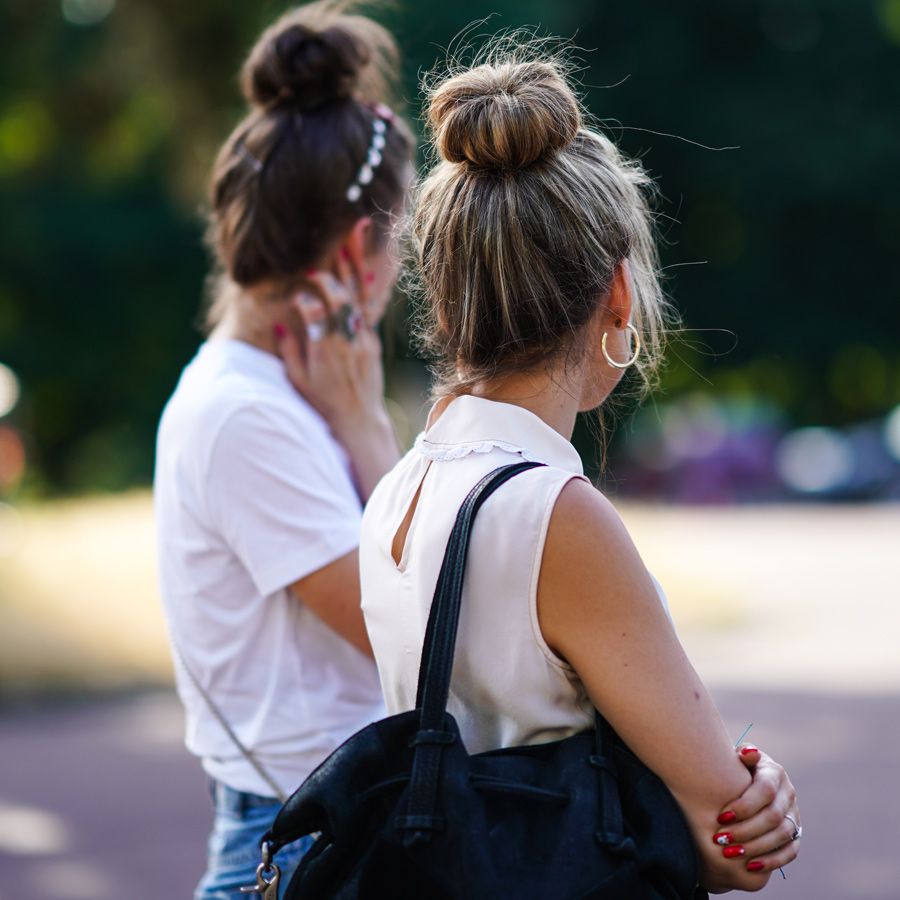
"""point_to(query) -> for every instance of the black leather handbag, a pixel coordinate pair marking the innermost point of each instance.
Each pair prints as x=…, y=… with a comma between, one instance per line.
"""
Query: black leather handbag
x=405, y=813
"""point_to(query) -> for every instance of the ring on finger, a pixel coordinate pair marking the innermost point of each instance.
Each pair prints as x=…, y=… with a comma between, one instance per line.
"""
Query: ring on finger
x=348, y=321
x=798, y=829
x=315, y=331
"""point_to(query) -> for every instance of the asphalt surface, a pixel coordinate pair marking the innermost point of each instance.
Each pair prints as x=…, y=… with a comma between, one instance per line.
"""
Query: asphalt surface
x=100, y=801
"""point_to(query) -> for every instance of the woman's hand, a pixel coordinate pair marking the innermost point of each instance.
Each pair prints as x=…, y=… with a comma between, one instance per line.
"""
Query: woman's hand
x=331, y=356
x=763, y=820
x=333, y=359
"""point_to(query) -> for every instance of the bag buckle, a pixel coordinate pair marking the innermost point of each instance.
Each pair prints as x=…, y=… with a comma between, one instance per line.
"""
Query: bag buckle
x=268, y=877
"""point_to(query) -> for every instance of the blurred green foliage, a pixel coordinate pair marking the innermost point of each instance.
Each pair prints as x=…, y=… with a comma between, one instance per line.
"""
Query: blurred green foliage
x=781, y=254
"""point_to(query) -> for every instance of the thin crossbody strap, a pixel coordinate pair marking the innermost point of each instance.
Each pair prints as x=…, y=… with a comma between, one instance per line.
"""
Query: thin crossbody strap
x=244, y=751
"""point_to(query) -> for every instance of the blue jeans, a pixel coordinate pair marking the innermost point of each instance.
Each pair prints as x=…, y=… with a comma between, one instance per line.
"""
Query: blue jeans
x=241, y=819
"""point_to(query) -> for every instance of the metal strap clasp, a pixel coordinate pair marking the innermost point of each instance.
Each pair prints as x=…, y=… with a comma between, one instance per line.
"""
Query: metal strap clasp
x=268, y=877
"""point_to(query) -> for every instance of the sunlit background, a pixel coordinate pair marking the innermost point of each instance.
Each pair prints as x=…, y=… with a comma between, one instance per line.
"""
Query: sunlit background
x=760, y=481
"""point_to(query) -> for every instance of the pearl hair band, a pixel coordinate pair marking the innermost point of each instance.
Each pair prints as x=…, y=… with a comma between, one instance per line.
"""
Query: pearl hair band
x=250, y=159
x=383, y=117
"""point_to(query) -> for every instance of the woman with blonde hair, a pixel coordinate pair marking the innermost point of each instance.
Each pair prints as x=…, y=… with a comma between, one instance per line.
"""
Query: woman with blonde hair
x=259, y=490
x=538, y=272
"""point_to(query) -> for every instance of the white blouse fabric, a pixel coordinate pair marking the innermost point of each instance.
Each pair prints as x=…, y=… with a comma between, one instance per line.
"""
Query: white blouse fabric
x=508, y=687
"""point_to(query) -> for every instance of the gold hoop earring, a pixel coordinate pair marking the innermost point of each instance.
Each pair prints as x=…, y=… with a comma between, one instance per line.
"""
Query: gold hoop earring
x=633, y=359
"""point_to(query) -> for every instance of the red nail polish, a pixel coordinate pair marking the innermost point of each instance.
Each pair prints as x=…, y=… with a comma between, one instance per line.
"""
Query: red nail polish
x=749, y=749
x=755, y=866
x=310, y=273
x=723, y=838
x=733, y=851
x=280, y=330
x=370, y=277
x=727, y=817
x=345, y=254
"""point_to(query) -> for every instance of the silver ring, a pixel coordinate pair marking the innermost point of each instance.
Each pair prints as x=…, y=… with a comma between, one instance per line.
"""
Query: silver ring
x=348, y=322
x=798, y=829
x=315, y=331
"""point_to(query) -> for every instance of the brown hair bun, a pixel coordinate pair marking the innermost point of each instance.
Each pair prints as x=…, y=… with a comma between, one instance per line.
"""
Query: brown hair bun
x=293, y=65
x=504, y=116
x=279, y=186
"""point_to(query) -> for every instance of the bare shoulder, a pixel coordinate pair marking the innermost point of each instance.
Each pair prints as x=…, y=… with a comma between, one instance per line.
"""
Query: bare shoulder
x=591, y=570
x=586, y=529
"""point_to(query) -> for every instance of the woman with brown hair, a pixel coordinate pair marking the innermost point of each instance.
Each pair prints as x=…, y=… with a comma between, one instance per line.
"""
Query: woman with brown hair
x=538, y=271
x=277, y=431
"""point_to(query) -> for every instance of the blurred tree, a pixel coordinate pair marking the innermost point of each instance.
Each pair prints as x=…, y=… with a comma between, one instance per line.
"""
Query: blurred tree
x=110, y=114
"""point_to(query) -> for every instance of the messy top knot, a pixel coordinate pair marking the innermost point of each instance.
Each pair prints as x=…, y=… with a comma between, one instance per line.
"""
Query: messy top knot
x=279, y=191
x=294, y=65
x=521, y=224
x=504, y=116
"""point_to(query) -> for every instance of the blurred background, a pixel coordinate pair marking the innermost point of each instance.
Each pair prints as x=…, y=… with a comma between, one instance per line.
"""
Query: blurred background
x=761, y=482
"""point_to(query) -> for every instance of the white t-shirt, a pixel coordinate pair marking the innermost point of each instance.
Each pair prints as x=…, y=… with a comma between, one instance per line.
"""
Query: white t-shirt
x=252, y=493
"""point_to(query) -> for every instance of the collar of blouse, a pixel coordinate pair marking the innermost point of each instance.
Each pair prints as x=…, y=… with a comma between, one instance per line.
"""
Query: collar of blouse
x=477, y=425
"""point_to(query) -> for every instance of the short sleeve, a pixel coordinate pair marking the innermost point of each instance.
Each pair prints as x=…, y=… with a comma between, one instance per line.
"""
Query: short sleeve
x=279, y=494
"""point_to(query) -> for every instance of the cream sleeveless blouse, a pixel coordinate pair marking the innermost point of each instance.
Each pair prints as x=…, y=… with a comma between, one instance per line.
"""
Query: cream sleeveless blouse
x=508, y=687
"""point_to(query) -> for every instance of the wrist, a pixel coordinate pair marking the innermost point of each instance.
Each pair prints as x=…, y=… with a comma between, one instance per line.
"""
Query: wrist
x=367, y=425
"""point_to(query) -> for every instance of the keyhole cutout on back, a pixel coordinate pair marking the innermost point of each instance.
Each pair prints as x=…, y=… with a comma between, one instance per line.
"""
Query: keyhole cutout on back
x=398, y=545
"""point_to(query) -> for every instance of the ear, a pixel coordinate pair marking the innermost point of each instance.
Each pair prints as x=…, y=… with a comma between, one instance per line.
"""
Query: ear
x=357, y=245
x=614, y=311
x=618, y=304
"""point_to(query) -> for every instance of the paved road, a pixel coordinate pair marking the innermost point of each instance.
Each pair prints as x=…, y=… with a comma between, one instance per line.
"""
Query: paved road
x=100, y=801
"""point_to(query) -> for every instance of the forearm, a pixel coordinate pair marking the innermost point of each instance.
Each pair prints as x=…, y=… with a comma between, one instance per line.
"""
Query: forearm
x=371, y=444
x=600, y=611
x=332, y=594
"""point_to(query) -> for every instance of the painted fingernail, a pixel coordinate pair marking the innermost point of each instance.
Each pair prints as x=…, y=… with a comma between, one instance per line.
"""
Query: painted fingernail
x=733, y=851
x=310, y=273
x=345, y=254
x=727, y=817
x=280, y=330
x=755, y=866
x=724, y=838
x=370, y=277
x=749, y=749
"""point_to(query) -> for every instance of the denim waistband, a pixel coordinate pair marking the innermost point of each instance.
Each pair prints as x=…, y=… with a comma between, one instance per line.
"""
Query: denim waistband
x=228, y=799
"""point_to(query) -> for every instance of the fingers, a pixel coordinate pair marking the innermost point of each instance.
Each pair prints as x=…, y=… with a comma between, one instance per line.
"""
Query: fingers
x=340, y=301
x=749, y=755
x=770, y=816
x=764, y=862
x=773, y=840
x=768, y=862
x=763, y=833
x=311, y=311
x=322, y=288
x=755, y=827
x=292, y=354
x=758, y=829
x=768, y=777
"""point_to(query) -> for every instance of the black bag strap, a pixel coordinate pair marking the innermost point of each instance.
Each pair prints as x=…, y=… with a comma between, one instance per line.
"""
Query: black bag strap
x=440, y=634
x=435, y=670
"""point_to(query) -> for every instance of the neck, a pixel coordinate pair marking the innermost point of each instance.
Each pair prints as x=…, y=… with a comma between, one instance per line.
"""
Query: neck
x=549, y=395
x=251, y=318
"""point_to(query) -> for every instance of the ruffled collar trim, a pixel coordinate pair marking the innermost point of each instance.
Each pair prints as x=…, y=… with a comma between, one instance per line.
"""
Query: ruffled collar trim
x=444, y=452
x=476, y=425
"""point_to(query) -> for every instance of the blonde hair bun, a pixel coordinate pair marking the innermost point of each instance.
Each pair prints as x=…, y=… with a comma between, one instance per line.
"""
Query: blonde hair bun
x=504, y=116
